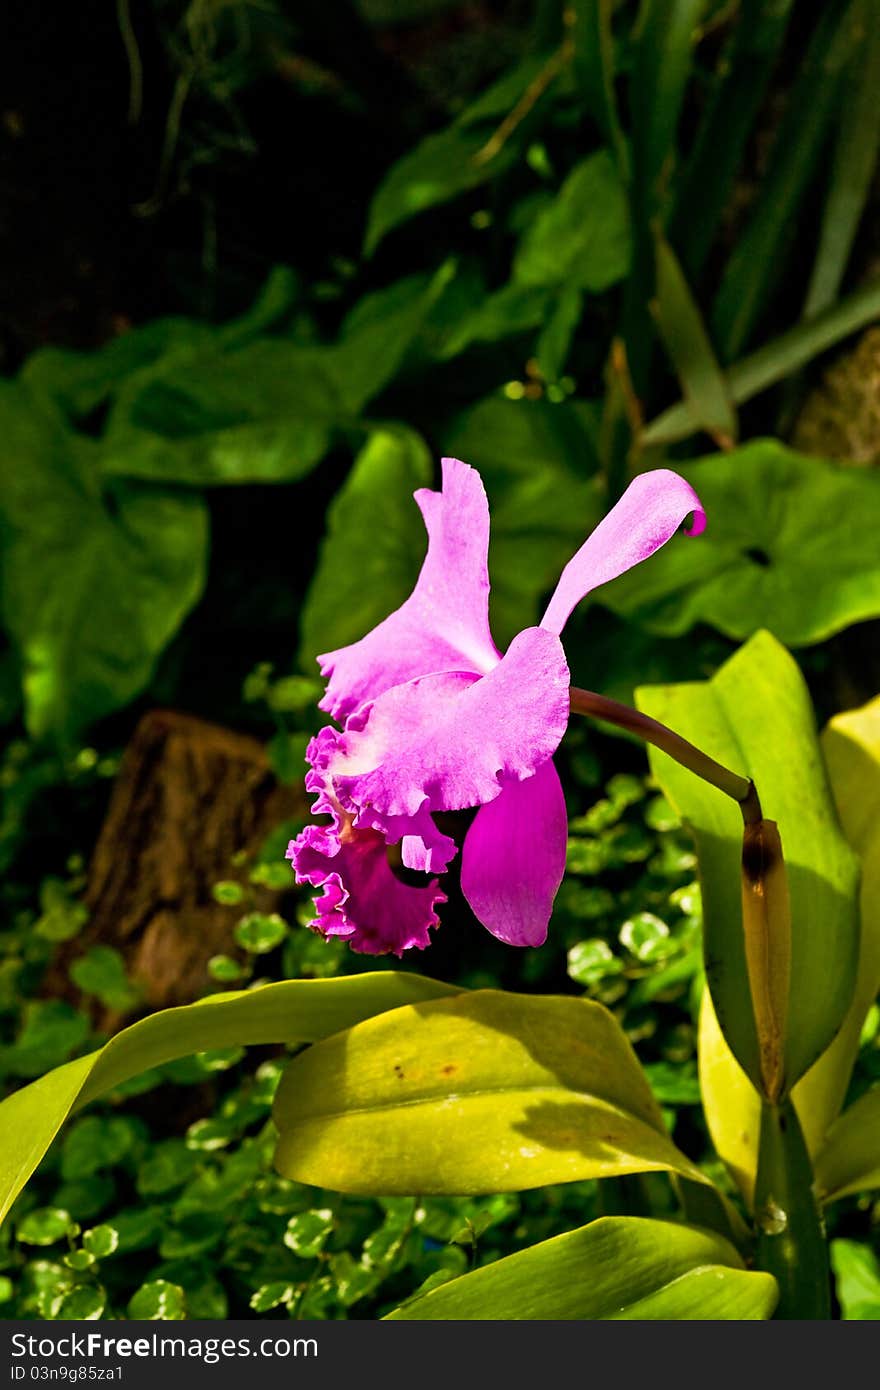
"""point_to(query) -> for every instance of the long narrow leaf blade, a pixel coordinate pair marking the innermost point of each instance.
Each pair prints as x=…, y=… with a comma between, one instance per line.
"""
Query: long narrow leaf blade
x=775, y=361
x=289, y=1012
x=687, y=343
x=855, y=162
x=752, y=273
x=744, y=70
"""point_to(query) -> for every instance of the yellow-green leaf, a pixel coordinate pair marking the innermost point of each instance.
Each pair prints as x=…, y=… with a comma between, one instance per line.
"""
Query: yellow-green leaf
x=730, y=1102
x=290, y=1012
x=616, y=1268
x=851, y=746
x=755, y=716
x=849, y=1160
x=485, y=1092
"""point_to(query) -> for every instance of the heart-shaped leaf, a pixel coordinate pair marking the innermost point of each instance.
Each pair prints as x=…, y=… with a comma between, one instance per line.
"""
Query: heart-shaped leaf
x=790, y=546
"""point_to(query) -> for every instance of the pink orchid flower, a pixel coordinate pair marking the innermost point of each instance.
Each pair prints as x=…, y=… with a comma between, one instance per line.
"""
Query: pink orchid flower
x=436, y=719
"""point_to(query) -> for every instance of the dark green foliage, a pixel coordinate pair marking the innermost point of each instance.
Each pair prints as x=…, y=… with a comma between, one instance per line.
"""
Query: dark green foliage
x=538, y=257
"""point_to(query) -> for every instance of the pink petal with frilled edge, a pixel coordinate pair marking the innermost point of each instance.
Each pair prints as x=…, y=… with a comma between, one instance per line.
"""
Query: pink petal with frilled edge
x=444, y=624
x=647, y=515
x=363, y=902
x=451, y=740
x=513, y=858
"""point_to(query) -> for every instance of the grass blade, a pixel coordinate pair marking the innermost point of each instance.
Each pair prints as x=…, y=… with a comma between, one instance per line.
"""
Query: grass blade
x=855, y=160
x=745, y=69
x=753, y=269
x=687, y=343
x=775, y=361
x=593, y=40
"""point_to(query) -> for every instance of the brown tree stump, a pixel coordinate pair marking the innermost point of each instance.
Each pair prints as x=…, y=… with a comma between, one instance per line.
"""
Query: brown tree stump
x=189, y=797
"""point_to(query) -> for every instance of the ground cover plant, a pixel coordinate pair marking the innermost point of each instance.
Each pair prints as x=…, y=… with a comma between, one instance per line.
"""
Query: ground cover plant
x=574, y=1034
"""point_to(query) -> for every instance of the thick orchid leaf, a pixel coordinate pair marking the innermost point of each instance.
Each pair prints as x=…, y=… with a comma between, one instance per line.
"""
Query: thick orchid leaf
x=491, y=1092
x=619, y=1267
x=849, y=1160
x=537, y=461
x=731, y=1104
x=851, y=747
x=370, y=557
x=781, y=551
x=755, y=716
x=581, y=241
x=294, y=1011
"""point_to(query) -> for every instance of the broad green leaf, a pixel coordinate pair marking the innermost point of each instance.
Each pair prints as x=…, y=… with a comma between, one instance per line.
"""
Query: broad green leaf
x=265, y=411
x=554, y=341
x=374, y=546
x=690, y=351
x=790, y=547
x=290, y=1012
x=755, y=716
x=80, y=381
x=510, y=310
x=619, y=1267
x=93, y=585
x=857, y=1276
x=581, y=241
x=446, y=164
x=439, y=168
x=379, y=333
x=536, y=460
x=486, y=1093
x=261, y=412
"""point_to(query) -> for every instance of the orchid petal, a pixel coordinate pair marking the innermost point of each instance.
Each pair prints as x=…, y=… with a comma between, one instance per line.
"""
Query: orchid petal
x=444, y=624
x=648, y=514
x=362, y=900
x=452, y=740
x=513, y=858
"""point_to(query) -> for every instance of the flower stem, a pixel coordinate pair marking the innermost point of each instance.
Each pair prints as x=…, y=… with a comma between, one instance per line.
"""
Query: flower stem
x=791, y=1240
x=741, y=789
